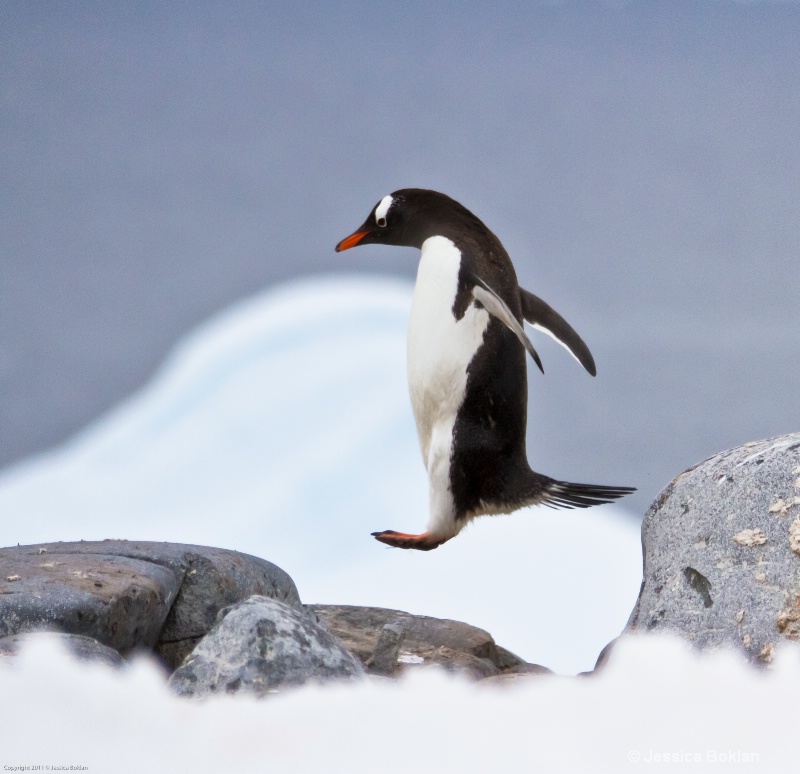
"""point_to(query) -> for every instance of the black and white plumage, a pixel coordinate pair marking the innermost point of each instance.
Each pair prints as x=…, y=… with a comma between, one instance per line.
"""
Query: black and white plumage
x=467, y=374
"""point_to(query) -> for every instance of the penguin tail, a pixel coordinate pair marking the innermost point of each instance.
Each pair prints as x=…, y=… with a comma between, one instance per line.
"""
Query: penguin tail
x=563, y=494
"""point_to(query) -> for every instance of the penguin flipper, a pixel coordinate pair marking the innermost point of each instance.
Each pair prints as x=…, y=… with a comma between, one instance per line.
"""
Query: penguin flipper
x=544, y=318
x=495, y=305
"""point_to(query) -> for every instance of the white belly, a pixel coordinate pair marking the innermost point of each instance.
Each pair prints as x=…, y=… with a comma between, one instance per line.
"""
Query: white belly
x=439, y=350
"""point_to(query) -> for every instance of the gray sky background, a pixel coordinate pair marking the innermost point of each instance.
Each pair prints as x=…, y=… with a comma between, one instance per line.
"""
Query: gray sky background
x=640, y=161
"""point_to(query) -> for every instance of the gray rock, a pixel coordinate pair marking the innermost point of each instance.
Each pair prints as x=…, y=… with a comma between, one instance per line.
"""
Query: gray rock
x=118, y=601
x=456, y=646
x=131, y=594
x=602, y=659
x=214, y=580
x=262, y=646
x=383, y=660
x=505, y=660
x=81, y=648
x=721, y=549
x=529, y=669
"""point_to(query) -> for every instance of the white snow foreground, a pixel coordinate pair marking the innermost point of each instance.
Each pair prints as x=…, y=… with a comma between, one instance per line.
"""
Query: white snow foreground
x=655, y=703
x=282, y=428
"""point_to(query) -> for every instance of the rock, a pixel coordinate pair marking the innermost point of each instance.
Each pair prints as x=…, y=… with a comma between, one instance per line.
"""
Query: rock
x=528, y=669
x=383, y=660
x=131, y=594
x=721, y=564
x=602, y=659
x=516, y=675
x=507, y=660
x=454, y=645
x=82, y=648
x=120, y=602
x=516, y=678
x=262, y=646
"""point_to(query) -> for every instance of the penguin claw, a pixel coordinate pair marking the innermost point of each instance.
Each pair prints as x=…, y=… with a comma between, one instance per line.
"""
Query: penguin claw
x=423, y=542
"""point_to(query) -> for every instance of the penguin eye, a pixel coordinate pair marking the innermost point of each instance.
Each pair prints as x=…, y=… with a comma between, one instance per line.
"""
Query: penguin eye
x=382, y=210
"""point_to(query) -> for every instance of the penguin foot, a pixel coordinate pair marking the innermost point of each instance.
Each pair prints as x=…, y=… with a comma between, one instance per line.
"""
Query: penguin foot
x=423, y=542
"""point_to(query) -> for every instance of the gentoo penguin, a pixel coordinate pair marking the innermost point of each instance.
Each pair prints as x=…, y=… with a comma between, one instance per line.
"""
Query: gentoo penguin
x=466, y=366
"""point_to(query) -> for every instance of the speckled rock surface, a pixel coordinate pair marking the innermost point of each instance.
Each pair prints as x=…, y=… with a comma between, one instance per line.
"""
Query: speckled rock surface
x=120, y=602
x=456, y=646
x=131, y=594
x=81, y=648
x=721, y=549
x=262, y=646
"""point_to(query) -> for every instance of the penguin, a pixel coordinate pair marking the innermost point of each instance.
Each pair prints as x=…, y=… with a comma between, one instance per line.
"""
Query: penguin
x=466, y=361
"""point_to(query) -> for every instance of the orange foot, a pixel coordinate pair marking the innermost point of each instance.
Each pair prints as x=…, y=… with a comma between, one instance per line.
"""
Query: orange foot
x=423, y=542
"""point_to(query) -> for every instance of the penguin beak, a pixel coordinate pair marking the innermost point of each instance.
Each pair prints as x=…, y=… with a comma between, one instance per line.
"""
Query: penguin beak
x=351, y=241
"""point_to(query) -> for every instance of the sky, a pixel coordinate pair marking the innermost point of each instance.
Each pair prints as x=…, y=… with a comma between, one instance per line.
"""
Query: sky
x=638, y=161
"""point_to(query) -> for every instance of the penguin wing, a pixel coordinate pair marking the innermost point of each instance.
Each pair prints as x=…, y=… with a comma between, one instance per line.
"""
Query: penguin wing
x=544, y=318
x=495, y=305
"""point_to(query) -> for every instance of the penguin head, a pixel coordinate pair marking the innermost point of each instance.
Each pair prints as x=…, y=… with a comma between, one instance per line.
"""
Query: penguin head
x=407, y=218
x=385, y=225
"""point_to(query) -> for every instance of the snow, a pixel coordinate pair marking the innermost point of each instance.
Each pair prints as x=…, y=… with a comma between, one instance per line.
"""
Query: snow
x=656, y=703
x=282, y=428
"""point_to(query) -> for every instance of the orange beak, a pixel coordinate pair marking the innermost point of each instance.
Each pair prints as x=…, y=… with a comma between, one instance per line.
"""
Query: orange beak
x=351, y=241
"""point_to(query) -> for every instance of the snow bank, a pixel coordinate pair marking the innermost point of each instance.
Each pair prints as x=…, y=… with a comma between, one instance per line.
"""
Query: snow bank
x=657, y=703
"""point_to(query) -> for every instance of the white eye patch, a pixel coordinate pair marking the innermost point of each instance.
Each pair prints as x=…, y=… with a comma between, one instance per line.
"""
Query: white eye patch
x=382, y=209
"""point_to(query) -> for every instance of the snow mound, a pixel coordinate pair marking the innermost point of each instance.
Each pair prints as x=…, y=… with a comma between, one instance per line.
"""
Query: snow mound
x=655, y=703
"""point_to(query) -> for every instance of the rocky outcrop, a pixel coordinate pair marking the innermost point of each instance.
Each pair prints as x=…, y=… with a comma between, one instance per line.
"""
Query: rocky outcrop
x=111, y=598
x=262, y=646
x=389, y=642
x=721, y=549
x=131, y=595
